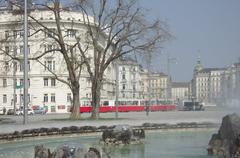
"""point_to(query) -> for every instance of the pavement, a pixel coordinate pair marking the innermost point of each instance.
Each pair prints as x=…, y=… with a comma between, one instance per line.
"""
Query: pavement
x=130, y=118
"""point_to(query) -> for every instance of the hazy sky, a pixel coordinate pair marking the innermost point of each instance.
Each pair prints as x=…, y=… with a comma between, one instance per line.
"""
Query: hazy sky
x=206, y=28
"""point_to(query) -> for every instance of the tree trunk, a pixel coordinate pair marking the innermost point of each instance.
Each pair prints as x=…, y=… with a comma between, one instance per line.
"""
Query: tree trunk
x=96, y=94
x=75, y=114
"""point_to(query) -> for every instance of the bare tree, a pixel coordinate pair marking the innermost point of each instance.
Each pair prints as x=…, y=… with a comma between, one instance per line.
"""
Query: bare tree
x=113, y=28
x=53, y=42
x=119, y=28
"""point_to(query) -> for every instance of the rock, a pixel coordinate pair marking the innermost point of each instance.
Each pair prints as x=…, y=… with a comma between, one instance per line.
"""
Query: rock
x=226, y=143
x=122, y=134
x=41, y=152
x=67, y=151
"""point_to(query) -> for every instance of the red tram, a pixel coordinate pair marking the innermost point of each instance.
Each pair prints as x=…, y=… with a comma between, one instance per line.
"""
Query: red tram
x=129, y=106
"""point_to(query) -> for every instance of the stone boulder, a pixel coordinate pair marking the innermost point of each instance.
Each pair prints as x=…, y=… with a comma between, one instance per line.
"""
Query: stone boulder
x=41, y=152
x=122, y=134
x=226, y=143
x=67, y=151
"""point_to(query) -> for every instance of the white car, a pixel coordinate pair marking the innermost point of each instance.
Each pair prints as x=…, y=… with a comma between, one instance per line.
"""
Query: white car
x=20, y=112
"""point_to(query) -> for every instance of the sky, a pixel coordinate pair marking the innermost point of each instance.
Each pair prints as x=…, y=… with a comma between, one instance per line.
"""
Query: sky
x=208, y=29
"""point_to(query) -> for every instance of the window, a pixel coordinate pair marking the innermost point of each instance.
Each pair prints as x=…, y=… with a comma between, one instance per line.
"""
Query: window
x=28, y=82
x=53, y=108
x=6, y=34
x=123, y=86
x=15, y=34
x=45, y=82
x=4, y=98
x=53, y=98
x=134, y=87
x=50, y=65
x=6, y=49
x=21, y=50
x=71, y=33
x=123, y=77
x=123, y=68
x=6, y=66
x=49, y=47
x=53, y=82
x=61, y=106
x=45, y=98
x=50, y=32
x=21, y=98
x=21, y=65
x=21, y=33
x=21, y=82
x=69, y=97
x=4, y=82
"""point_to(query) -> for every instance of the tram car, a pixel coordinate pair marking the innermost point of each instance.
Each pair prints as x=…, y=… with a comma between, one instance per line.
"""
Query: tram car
x=128, y=106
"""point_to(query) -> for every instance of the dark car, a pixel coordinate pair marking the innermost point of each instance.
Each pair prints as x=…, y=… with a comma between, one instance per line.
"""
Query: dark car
x=40, y=111
x=10, y=112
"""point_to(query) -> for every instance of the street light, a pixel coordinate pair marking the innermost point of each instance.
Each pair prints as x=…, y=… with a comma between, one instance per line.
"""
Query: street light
x=25, y=95
x=117, y=89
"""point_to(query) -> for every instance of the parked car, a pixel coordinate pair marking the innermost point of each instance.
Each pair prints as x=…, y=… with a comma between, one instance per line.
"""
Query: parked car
x=20, y=112
x=10, y=112
x=3, y=111
x=39, y=111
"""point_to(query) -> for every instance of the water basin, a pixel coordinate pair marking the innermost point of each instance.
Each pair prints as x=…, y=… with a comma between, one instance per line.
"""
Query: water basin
x=158, y=144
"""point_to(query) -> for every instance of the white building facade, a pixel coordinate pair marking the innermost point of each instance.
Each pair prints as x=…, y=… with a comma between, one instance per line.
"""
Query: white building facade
x=44, y=89
x=129, y=79
x=180, y=91
x=208, y=85
x=154, y=85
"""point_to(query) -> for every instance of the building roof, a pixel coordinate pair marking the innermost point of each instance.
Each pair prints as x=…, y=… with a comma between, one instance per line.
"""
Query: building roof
x=207, y=70
x=180, y=84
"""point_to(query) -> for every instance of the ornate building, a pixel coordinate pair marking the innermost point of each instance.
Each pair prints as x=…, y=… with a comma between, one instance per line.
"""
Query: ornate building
x=129, y=79
x=206, y=83
x=154, y=85
x=44, y=89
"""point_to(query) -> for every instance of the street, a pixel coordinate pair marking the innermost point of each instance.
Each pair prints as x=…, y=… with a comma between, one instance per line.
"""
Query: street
x=131, y=118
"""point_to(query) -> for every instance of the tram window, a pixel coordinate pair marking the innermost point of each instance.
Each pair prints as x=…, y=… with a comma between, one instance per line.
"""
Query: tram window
x=135, y=102
x=153, y=102
x=105, y=103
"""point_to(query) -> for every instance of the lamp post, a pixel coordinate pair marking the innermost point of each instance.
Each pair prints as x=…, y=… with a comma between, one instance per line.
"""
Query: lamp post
x=117, y=89
x=25, y=96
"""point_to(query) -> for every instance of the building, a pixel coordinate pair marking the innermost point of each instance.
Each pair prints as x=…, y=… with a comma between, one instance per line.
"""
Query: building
x=230, y=82
x=44, y=89
x=154, y=85
x=197, y=68
x=180, y=91
x=208, y=84
x=129, y=79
